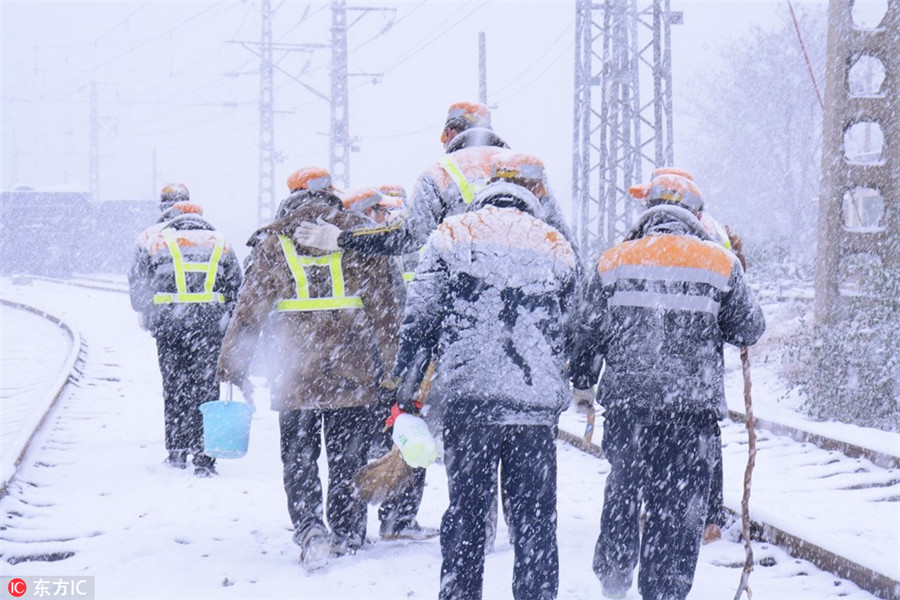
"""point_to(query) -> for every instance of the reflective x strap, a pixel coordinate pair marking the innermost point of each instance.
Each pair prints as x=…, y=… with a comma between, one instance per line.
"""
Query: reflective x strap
x=465, y=188
x=298, y=265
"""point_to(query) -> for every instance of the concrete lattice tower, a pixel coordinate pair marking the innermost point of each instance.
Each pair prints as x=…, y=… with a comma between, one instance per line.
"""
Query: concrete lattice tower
x=859, y=200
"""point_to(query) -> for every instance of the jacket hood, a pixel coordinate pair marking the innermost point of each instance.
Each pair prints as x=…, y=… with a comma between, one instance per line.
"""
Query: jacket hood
x=475, y=136
x=504, y=194
x=668, y=219
x=301, y=197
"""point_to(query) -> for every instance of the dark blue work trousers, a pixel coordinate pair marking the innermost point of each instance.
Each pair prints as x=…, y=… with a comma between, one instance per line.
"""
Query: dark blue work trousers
x=527, y=456
x=347, y=433
x=663, y=464
x=187, y=361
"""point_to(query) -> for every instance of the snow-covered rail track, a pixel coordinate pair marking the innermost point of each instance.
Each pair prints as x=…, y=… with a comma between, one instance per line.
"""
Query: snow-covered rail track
x=826, y=474
x=26, y=404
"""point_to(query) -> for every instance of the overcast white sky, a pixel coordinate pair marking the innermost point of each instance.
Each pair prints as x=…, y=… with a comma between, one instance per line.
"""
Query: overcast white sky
x=173, y=82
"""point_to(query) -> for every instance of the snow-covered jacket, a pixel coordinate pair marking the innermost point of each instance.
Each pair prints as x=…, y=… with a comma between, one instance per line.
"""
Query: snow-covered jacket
x=327, y=331
x=153, y=280
x=438, y=194
x=658, y=310
x=491, y=302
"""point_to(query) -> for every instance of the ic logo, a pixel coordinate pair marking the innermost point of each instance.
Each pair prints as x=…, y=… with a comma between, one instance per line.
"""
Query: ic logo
x=17, y=587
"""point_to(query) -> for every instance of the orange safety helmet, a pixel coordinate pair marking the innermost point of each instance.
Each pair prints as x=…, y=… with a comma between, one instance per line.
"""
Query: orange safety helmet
x=361, y=199
x=313, y=179
x=392, y=196
x=463, y=115
x=669, y=185
x=522, y=168
x=180, y=208
x=172, y=193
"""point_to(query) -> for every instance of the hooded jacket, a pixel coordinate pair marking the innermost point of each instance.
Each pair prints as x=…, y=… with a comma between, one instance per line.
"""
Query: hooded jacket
x=153, y=271
x=437, y=195
x=658, y=310
x=325, y=358
x=491, y=301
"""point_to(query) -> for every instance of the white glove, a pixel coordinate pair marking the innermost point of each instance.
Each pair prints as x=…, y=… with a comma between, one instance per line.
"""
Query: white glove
x=584, y=400
x=323, y=236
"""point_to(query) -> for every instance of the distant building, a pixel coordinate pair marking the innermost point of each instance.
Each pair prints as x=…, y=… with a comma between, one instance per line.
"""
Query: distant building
x=56, y=233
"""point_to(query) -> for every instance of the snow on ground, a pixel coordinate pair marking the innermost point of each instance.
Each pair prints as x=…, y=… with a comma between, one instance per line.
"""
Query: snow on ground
x=94, y=484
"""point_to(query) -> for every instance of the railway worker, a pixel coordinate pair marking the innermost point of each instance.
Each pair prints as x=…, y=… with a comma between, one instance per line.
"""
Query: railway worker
x=658, y=310
x=446, y=188
x=715, y=513
x=184, y=282
x=396, y=514
x=329, y=323
x=490, y=301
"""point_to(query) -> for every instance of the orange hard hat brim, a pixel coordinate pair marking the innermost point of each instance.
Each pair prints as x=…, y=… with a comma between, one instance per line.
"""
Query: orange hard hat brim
x=640, y=191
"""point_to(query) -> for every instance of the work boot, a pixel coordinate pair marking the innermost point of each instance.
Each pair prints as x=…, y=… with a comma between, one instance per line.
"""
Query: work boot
x=412, y=531
x=205, y=471
x=616, y=586
x=177, y=459
x=342, y=546
x=204, y=466
x=314, y=549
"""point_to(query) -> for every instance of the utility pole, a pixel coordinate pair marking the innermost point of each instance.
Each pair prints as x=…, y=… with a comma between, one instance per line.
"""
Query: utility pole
x=94, y=169
x=482, y=68
x=339, y=145
x=266, y=204
x=341, y=142
x=264, y=49
x=624, y=53
x=865, y=186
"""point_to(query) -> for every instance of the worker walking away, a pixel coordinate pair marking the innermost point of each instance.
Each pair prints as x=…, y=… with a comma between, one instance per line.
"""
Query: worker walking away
x=490, y=302
x=397, y=514
x=184, y=283
x=444, y=189
x=716, y=517
x=328, y=325
x=659, y=308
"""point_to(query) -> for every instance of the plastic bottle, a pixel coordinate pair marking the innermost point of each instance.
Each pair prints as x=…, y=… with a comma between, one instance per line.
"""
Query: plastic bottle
x=417, y=445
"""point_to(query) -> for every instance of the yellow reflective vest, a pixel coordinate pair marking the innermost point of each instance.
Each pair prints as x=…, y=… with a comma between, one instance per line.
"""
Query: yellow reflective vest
x=182, y=267
x=298, y=265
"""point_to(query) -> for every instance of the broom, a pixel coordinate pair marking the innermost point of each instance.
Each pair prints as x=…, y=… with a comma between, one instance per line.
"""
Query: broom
x=386, y=476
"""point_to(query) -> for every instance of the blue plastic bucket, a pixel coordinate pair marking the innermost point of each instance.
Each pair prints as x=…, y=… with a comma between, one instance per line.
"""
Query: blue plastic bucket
x=226, y=428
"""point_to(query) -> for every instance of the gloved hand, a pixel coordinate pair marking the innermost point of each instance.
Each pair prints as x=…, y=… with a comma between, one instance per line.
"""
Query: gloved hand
x=321, y=235
x=737, y=246
x=389, y=390
x=584, y=400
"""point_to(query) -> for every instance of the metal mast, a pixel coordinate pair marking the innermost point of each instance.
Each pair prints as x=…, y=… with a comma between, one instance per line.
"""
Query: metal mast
x=94, y=172
x=623, y=54
x=267, y=200
x=339, y=145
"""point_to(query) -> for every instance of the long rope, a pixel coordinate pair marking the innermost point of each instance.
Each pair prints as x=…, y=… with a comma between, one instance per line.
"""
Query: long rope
x=748, y=475
x=805, y=55
x=737, y=248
